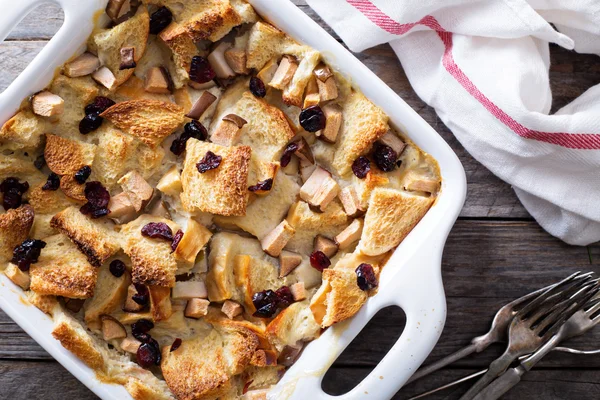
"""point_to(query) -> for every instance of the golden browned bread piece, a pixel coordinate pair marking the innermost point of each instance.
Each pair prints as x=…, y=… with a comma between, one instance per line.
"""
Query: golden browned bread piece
x=293, y=324
x=18, y=167
x=45, y=303
x=47, y=201
x=94, y=238
x=293, y=93
x=266, y=212
x=391, y=216
x=23, y=131
x=183, y=49
x=15, y=225
x=109, y=294
x=223, y=190
x=141, y=390
x=63, y=271
x=77, y=93
x=308, y=224
x=265, y=43
x=153, y=262
x=131, y=33
x=254, y=275
x=66, y=156
x=338, y=298
x=364, y=187
x=149, y=120
x=363, y=123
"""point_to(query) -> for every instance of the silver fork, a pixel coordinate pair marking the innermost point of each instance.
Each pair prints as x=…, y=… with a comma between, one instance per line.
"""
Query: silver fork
x=534, y=325
x=578, y=324
x=498, y=330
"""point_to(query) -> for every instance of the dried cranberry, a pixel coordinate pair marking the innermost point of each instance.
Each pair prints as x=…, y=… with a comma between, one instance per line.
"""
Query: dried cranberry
x=148, y=354
x=40, y=162
x=361, y=166
x=176, y=240
x=27, y=253
x=285, y=296
x=160, y=19
x=90, y=123
x=265, y=185
x=193, y=129
x=142, y=337
x=83, y=174
x=257, y=87
x=13, y=192
x=365, y=277
x=175, y=345
x=319, y=260
x=99, y=105
x=210, y=161
x=142, y=297
x=201, y=71
x=266, y=303
x=247, y=386
x=385, y=157
x=158, y=230
x=117, y=268
x=141, y=326
x=98, y=198
x=312, y=119
x=53, y=182
x=287, y=154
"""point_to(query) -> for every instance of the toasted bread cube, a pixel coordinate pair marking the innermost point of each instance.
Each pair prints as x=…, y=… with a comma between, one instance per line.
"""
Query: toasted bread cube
x=156, y=81
x=196, y=308
x=298, y=291
x=83, y=65
x=333, y=116
x=15, y=227
x=130, y=305
x=236, y=58
x=267, y=73
x=320, y=189
x=350, y=201
x=350, y=235
x=121, y=209
x=187, y=290
x=18, y=277
x=170, y=183
x=285, y=72
x=227, y=133
x=217, y=60
x=276, y=240
x=112, y=329
x=231, y=309
x=201, y=105
x=287, y=262
x=194, y=239
x=325, y=245
x=106, y=78
x=47, y=104
x=130, y=345
x=264, y=358
x=160, y=302
x=328, y=89
x=137, y=189
x=110, y=293
x=390, y=139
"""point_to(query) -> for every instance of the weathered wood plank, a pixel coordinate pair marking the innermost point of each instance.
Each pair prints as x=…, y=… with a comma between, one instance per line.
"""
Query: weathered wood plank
x=41, y=24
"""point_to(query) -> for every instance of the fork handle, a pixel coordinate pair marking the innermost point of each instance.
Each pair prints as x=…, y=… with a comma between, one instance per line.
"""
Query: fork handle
x=496, y=368
x=501, y=385
x=464, y=352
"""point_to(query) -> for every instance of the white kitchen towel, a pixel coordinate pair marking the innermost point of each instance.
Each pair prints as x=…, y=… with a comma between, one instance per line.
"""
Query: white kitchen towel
x=484, y=66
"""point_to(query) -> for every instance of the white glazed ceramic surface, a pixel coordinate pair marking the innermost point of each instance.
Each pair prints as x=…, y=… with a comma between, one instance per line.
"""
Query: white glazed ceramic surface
x=411, y=279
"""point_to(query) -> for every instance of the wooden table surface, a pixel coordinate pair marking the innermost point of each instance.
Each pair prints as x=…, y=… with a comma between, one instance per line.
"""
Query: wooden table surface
x=496, y=252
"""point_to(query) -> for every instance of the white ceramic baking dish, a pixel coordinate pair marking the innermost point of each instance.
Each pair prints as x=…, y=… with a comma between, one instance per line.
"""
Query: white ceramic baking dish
x=411, y=280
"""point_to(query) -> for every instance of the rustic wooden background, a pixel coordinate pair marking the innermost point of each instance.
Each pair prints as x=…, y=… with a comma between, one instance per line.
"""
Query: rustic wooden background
x=495, y=253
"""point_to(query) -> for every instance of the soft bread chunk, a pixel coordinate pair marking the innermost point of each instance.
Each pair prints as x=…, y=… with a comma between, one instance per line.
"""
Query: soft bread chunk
x=94, y=238
x=293, y=324
x=391, y=215
x=153, y=262
x=77, y=93
x=17, y=276
x=131, y=33
x=212, y=361
x=364, y=188
x=265, y=43
x=65, y=156
x=309, y=224
x=338, y=298
x=362, y=124
x=183, y=50
x=109, y=294
x=63, y=271
x=221, y=191
x=254, y=275
x=170, y=183
x=194, y=239
x=149, y=120
x=47, y=201
x=47, y=304
x=187, y=290
x=160, y=302
x=15, y=225
x=292, y=95
x=23, y=131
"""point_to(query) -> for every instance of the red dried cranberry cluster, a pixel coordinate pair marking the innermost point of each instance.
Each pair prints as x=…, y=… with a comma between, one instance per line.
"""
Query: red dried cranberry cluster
x=286, y=157
x=52, y=183
x=12, y=192
x=385, y=157
x=176, y=239
x=365, y=277
x=265, y=185
x=361, y=167
x=92, y=119
x=160, y=19
x=319, y=261
x=193, y=129
x=97, y=200
x=27, y=253
x=201, y=71
x=142, y=297
x=268, y=302
x=210, y=161
x=176, y=343
x=117, y=268
x=83, y=174
x=257, y=87
x=158, y=230
x=312, y=119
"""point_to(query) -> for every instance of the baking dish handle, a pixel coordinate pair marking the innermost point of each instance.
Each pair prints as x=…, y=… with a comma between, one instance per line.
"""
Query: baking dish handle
x=417, y=288
x=76, y=28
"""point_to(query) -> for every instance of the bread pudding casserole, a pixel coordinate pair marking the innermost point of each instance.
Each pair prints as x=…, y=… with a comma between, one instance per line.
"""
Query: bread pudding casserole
x=196, y=196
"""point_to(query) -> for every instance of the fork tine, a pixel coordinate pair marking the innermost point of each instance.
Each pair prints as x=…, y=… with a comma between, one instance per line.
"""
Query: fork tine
x=595, y=307
x=577, y=301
